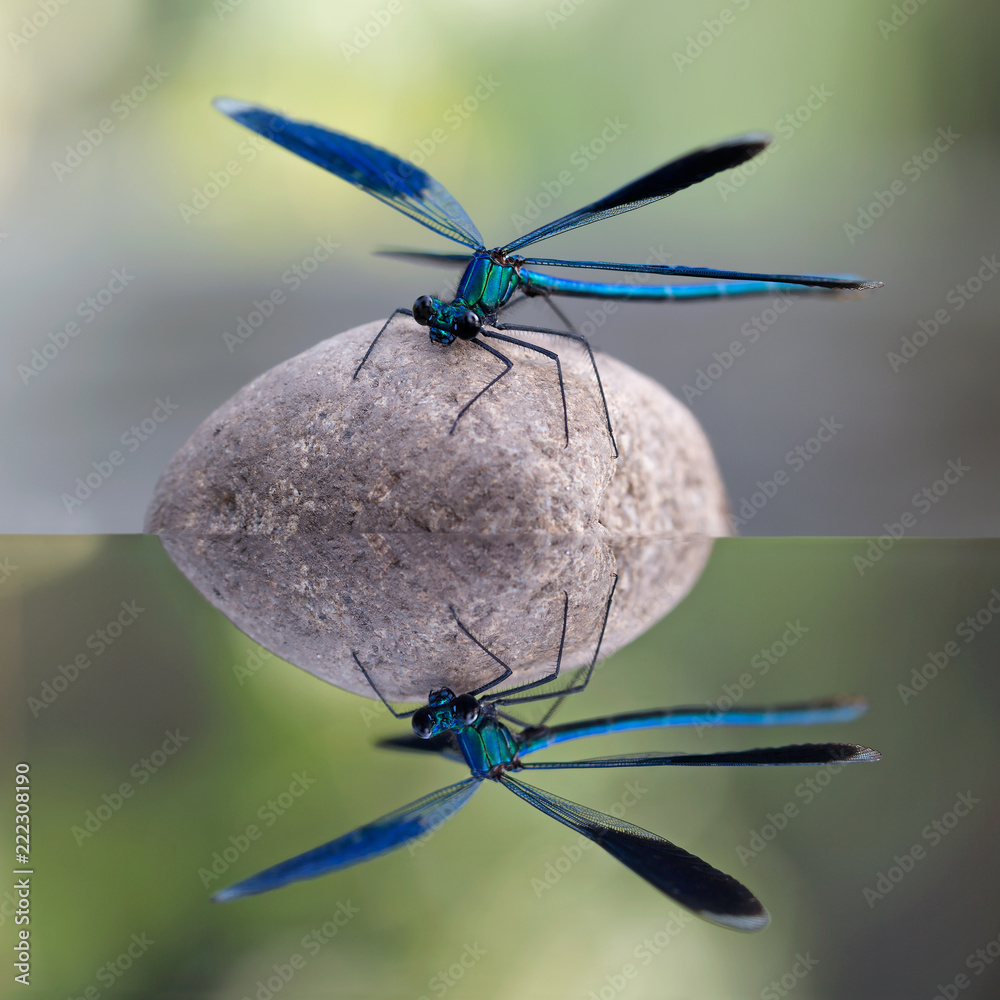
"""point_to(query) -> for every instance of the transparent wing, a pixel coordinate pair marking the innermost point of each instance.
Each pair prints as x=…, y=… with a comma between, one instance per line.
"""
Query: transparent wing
x=425, y=257
x=366, y=842
x=693, y=883
x=443, y=744
x=397, y=183
x=799, y=753
x=666, y=180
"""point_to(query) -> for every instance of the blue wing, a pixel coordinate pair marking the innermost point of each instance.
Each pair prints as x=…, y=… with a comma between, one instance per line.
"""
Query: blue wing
x=841, y=708
x=366, y=842
x=799, y=753
x=666, y=180
x=397, y=183
x=685, y=878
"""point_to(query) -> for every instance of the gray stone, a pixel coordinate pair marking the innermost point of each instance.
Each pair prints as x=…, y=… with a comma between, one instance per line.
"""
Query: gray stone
x=325, y=515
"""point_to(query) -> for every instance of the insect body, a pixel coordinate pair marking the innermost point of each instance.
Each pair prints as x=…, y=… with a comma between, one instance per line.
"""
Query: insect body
x=473, y=728
x=493, y=278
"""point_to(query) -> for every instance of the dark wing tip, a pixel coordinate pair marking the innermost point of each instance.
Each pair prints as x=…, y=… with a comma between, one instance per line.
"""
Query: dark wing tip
x=759, y=139
x=836, y=753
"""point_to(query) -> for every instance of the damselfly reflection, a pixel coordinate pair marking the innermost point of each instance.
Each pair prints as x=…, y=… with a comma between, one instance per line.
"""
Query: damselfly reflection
x=477, y=727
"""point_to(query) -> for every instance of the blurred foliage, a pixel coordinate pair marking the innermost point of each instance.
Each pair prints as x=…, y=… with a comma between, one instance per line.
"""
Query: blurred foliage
x=252, y=725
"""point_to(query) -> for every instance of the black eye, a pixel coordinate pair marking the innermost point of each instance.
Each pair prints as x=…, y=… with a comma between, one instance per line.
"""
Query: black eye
x=468, y=325
x=465, y=709
x=423, y=724
x=422, y=309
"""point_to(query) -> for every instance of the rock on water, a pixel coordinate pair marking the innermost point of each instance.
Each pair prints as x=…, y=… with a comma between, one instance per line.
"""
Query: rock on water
x=325, y=515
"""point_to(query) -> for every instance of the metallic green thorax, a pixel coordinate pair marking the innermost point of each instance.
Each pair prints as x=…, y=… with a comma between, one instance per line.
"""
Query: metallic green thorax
x=485, y=287
x=488, y=746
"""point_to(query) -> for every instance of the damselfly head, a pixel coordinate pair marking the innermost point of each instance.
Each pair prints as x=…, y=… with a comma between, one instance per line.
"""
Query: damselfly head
x=444, y=712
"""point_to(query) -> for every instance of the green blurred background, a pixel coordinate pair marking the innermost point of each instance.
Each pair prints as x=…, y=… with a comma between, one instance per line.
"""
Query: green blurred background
x=251, y=726
x=557, y=71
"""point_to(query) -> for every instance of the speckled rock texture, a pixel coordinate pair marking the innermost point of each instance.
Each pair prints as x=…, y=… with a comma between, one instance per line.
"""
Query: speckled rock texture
x=326, y=515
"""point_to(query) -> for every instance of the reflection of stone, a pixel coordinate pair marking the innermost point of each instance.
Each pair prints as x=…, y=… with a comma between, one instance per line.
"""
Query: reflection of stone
x=387, y=598
x=323, y=514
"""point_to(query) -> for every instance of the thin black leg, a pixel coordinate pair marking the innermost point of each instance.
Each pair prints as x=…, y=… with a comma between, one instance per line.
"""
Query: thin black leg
x=507, y=671
x=509, y=364
x=399, y=715
x=580, y=338
x=539, y=350
x=547, y=299
x=580, y=685
x=371, y=346
x=554, y=674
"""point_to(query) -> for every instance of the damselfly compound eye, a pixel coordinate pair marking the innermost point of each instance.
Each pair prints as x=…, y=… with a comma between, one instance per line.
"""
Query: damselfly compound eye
x=468, y=325
x=465, y=709
x=423, y=724
x=422, y=309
